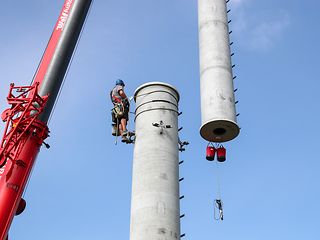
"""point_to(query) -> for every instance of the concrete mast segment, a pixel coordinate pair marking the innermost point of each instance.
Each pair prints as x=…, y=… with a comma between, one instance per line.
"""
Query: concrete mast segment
x=219, y=123
x=155, y=207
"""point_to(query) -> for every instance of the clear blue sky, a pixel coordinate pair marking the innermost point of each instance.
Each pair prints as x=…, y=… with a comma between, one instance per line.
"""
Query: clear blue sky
x=80, y=188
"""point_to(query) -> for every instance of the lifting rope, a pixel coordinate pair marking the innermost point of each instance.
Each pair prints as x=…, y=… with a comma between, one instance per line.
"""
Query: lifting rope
x=117, y=132
x=211, y=151
x=218, y=181
x=218, y=205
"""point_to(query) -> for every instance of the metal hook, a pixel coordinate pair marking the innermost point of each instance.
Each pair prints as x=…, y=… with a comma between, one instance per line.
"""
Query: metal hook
x=218, y=206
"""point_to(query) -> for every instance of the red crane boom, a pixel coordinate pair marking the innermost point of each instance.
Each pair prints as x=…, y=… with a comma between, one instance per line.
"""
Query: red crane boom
x=26, y=119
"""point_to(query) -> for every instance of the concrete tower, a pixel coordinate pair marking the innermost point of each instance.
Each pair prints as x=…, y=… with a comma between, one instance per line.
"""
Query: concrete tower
x=155, y=207
x=219, y=123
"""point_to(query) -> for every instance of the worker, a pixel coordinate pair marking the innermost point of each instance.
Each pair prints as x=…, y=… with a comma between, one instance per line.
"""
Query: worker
x=120, y=112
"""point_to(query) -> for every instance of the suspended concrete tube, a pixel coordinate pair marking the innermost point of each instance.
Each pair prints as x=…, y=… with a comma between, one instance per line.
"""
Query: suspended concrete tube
x=218, y=114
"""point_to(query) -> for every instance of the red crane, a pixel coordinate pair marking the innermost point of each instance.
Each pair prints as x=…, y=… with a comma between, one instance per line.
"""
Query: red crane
x=31, y=106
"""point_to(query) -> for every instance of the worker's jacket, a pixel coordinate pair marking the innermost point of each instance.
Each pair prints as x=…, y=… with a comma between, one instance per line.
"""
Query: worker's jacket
x=114, y=94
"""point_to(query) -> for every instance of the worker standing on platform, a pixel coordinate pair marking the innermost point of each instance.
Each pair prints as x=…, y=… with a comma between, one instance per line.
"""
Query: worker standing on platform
x=120, y=112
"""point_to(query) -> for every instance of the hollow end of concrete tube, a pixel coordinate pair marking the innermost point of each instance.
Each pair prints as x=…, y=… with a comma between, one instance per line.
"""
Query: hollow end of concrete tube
x=148, y=84
x=219, y=130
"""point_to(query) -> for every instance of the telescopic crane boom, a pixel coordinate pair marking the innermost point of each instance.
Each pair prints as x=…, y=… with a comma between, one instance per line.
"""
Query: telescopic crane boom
x=26, y=119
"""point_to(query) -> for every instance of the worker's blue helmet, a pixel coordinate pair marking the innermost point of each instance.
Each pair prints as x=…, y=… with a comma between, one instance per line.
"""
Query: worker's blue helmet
x=120, y=82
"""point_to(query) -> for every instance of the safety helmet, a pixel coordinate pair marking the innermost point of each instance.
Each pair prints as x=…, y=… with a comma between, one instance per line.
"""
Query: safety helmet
x=120, y=82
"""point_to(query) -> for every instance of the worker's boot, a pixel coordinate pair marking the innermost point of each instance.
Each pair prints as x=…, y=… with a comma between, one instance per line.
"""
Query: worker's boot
x=128, y=140
x=130, y=134
x=125, y=139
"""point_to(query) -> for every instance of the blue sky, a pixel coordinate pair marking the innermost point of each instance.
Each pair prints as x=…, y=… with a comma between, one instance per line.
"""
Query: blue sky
x=80, y=188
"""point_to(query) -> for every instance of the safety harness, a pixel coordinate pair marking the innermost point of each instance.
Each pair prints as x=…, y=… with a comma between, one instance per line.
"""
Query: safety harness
x=118, y=109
